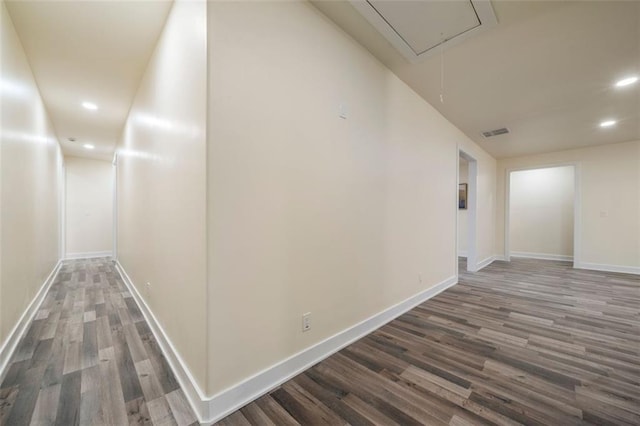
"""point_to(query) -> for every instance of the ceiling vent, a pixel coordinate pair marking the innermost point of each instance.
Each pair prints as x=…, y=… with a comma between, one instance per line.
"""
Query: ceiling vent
x=496, y=132
x=419, y=29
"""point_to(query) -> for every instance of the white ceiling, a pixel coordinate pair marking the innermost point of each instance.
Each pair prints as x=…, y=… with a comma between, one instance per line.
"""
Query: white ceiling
x=88, y=51
x=546, y=72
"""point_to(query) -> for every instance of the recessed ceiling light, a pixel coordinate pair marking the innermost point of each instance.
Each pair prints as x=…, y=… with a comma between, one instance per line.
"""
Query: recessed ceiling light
x=608, y=123
x=627, y=81
x=88, y=146
x=90, y=105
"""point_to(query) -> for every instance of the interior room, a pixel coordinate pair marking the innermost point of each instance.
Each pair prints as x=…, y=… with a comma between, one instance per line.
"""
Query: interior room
x=319, y=212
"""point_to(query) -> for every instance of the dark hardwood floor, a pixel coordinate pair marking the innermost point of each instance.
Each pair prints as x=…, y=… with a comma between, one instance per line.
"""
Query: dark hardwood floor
x=90, y=358
x=528, y=342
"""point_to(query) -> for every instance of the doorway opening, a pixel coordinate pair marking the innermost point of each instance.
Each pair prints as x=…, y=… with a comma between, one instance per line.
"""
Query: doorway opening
x=467, y=210
x=541, y=213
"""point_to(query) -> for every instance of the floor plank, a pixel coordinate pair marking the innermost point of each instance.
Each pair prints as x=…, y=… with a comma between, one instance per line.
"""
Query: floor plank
x=522, y=342
x=80, y=360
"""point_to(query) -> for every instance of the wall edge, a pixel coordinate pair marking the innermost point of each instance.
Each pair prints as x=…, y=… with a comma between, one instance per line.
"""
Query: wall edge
x=19, y=330
x=231, y=399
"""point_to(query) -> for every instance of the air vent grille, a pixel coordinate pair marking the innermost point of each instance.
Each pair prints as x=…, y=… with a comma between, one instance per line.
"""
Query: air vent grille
x=496, y=132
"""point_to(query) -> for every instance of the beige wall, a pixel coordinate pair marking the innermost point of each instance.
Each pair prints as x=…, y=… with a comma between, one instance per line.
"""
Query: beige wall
x=309, y=212
x=463, y=216
x=161, y=185
x=30, y=185
x=609, y=177
x=89, y=207
x=541, y=212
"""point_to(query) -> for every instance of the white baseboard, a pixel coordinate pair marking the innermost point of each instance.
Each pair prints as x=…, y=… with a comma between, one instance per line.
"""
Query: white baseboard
x=190, y=387
x=215, y=408
x=462, y=253
x=608, y=268
x=233, y=398
x=500, y=257
x=485, y=262
x=11, y=343
x=542, y=256
x=88, y=255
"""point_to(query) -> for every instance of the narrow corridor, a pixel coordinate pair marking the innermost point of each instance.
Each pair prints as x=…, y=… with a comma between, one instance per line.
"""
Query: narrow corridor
x=89, y=357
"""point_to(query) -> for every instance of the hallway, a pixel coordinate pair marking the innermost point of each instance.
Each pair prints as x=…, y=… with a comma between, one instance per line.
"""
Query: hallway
x=90, y=358
x=278, y=187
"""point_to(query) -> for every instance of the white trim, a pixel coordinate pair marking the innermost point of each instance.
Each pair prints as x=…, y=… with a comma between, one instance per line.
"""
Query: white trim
x=21, y=327
x=62, y=207
x=577, y=213
x=507, y=213
x=190, y=387
x=485, y=262
x=499, y=257
x=114, y=190
x=472, y=215
x=472, y=210
x=542, y=256
x=456, y=214
x=88, y=255
x=462, y=253
x=233, y=398
x=214, y=408
x=608, y=268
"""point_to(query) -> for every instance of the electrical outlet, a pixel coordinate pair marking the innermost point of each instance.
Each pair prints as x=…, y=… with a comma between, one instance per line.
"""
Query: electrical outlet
x=306, y=321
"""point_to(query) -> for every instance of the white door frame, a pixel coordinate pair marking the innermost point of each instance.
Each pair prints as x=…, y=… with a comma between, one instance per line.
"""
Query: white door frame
x=577, y=207
x=62, y=228
x=115, y=207
x=472, y=210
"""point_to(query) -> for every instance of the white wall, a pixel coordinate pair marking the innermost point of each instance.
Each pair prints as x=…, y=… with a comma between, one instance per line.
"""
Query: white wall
x=89, y=207
x=29, y=184
x=161, y=185
x=463, y=216
x=541, y=205
x=609, y=177
x=309, y=212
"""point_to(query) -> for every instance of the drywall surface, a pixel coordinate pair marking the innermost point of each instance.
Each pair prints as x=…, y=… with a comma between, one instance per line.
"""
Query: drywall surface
x=541, y=212
x=30, y=184
x=161, y=185
x=609, y=178
x=331, y=186
x=89, y=207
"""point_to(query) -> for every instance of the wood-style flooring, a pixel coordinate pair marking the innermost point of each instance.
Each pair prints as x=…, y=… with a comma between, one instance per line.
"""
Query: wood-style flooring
x=90, y=358
x=528, y=342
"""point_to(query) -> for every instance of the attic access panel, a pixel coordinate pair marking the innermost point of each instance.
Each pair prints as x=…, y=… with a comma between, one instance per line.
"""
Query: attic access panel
x=418, y=27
